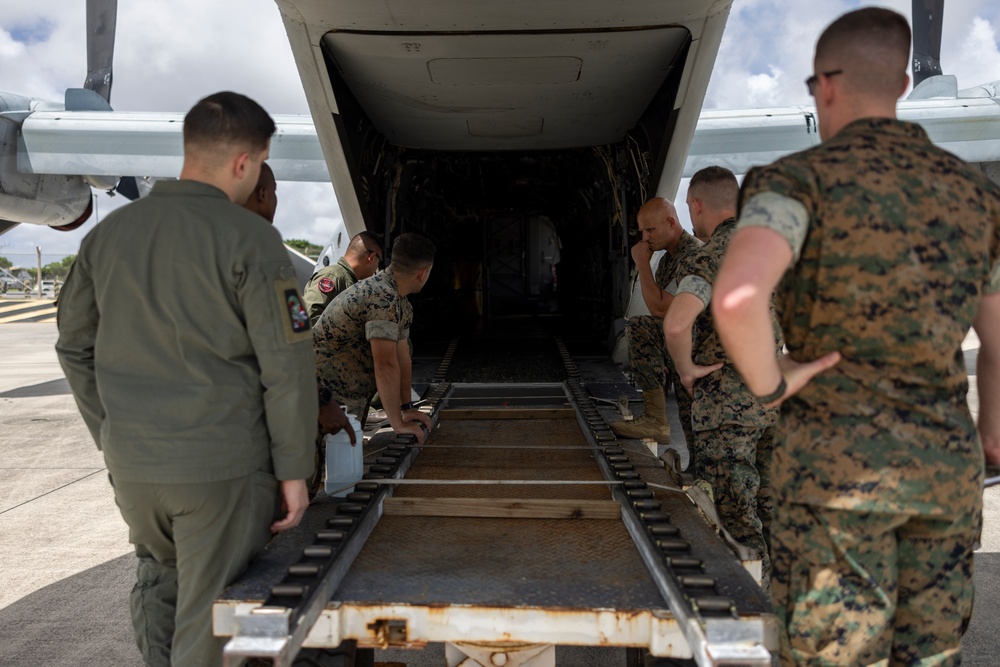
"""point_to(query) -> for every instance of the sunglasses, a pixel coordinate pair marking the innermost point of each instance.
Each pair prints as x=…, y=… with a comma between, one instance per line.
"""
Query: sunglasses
x=814, y=79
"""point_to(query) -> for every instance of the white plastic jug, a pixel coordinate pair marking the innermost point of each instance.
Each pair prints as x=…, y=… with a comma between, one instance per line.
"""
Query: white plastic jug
x=344, y=462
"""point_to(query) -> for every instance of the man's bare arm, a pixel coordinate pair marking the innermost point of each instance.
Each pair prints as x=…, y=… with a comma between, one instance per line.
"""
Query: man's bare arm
x=678, y=328
x=387, y=379
x=755, y=261
x=405, y=382
x=657, y=300
x=987, y=327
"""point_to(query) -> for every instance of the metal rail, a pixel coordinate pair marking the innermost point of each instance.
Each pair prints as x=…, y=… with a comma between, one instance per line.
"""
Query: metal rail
x=715, y=634
x=700, y=616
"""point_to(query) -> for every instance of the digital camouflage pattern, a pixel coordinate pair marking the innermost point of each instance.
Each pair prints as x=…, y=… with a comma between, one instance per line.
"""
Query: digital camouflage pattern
x=736, y=461
x=901, y=242
x=842, y=599
x=647, y=349
x=877, y=468
x=734, y=435
x=371, y=308
x=325, y=285
x=721, y=397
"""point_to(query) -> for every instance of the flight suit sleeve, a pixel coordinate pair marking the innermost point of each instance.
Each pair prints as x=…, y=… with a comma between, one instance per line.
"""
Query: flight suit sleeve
x=77, y=320
x=315, y=300
x=279, y=331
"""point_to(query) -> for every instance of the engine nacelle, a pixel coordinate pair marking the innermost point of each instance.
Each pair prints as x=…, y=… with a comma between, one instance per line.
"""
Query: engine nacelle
x=60, y=201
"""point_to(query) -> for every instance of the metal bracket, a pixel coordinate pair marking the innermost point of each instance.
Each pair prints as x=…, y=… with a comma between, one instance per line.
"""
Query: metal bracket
x=499, y=655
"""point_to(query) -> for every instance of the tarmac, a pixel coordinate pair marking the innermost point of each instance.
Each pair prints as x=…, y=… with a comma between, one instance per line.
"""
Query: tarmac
x=66, y=566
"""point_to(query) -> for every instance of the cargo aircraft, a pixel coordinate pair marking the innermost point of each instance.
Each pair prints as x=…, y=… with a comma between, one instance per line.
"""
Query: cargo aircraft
x=499, y=130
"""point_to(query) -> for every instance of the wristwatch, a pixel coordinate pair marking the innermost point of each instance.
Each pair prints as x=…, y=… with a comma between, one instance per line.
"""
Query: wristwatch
x=405, y=406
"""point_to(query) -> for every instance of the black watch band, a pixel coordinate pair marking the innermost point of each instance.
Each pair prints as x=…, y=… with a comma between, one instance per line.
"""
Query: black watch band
x=774, y=395
x=405, y=406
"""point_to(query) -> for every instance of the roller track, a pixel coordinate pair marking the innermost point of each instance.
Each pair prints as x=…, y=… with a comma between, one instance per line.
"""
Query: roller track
x=497, y=530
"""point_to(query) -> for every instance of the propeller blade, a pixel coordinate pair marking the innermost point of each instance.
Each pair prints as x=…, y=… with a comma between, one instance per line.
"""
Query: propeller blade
x=928, y=19
x=128, y=188
x=102, y=16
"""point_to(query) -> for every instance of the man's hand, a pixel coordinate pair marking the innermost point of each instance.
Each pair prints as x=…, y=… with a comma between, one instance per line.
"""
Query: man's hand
x=797, y=375
x=696, y=373
x=413, y=428
x=641, y=253
x=333, y=419
x=294, y=501
x=414, y=415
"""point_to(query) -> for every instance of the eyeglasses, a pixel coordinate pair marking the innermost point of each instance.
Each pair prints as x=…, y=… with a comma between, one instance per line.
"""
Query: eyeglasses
x=811, y=81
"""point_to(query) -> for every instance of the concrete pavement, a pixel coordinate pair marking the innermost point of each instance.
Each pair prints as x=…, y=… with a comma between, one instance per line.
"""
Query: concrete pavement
x=66, y=566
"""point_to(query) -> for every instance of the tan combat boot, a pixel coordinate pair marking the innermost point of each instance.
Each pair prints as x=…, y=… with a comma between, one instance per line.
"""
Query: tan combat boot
x=652, y=424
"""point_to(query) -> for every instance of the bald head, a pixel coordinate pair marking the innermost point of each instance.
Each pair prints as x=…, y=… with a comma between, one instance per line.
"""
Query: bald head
x=871, y=48
x=264, y=199
x=658, y=224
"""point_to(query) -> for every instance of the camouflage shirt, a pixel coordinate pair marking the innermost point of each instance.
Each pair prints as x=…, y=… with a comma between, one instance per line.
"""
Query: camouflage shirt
x=720, y=397
x=895, y=241
x=675, y=265
x=325, y=285
x=371, y=308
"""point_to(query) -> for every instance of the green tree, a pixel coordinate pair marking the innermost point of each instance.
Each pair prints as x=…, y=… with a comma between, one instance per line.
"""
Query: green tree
x=58, y=270
x=305, y=247
x=5, y=263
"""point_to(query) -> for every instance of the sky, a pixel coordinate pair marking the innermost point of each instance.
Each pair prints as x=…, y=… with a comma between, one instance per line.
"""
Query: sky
x=171, y=53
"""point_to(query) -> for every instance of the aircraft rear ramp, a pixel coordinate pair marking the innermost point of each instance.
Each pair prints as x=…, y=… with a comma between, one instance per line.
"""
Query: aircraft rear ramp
x=520, y=524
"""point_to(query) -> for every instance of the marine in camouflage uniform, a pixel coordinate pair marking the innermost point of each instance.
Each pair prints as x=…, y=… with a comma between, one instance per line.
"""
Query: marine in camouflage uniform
x=368, y=309
x=734, y=434
x=647, y=352
x=361, y=339
x=891, y=246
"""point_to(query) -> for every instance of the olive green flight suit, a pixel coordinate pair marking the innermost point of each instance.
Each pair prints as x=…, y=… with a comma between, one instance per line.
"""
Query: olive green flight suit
x=183, y=337
x=325, y=285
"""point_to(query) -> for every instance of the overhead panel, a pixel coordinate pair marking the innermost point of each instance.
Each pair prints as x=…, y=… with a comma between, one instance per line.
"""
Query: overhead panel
x=505, y=91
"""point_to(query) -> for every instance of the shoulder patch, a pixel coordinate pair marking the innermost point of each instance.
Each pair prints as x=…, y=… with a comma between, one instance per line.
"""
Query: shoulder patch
x=325, y=285
x=293, y=313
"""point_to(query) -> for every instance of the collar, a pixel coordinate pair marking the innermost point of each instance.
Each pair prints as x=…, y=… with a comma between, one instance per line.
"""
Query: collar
x=344, y=263
x=892, y=126
x=187, y=187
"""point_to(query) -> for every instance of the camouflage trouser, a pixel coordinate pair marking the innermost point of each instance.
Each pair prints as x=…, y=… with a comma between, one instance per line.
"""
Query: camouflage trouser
x=648, y=358
x=736, y=461
x=854, y=588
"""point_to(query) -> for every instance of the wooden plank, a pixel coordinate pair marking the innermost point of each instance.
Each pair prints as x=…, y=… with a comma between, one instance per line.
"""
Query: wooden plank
x=496, y=508
x=507, y=413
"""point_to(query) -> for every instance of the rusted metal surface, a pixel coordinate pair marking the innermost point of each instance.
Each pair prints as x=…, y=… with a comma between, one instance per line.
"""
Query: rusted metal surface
x=420, y=579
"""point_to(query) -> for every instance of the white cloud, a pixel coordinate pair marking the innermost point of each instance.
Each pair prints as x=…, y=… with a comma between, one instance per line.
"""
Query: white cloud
x=170, y=53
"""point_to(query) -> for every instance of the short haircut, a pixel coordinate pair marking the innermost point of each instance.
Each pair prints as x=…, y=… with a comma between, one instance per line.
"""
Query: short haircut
x=361, y=242
x=717, y=187
x=411, y=253
x=266, y=176
x=227, y=119
x=871, y=46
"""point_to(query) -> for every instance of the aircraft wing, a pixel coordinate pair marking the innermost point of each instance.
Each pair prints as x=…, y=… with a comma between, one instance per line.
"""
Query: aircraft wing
x=741, y=138
x=107, y=143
